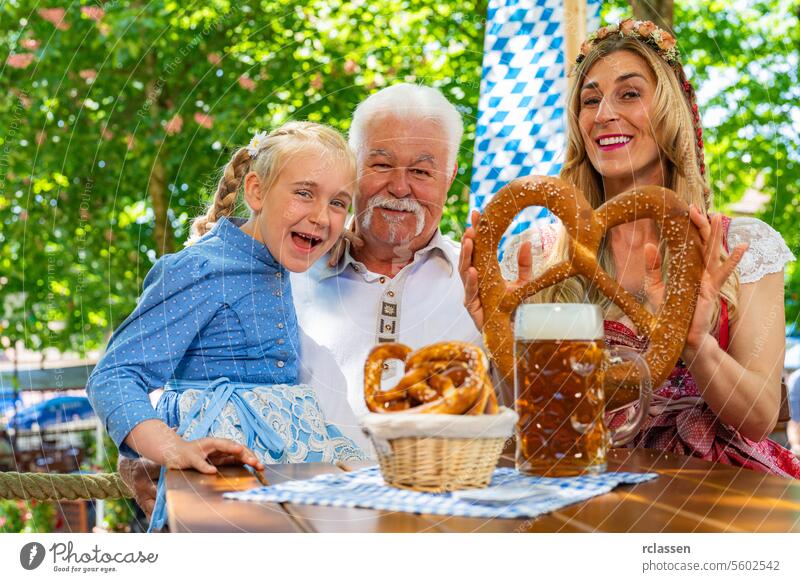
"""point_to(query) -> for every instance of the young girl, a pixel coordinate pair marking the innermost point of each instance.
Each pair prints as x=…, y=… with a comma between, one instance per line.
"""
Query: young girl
x=216, y=327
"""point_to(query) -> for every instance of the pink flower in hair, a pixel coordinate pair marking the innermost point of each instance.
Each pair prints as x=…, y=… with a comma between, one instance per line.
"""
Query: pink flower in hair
x=667, y=41
x=626, y=27
x=30, y=43
x=204, y=120
x=174, y=125
x=603, y=33
x=20, y=60
x=247, y=83
x=54, y=16
x=646, y=28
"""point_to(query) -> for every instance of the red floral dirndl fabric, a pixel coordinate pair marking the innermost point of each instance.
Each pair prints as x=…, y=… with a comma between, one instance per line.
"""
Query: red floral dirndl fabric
x=680, y=422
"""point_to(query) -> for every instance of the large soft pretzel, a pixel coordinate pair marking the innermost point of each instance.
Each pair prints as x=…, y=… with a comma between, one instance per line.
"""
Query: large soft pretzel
x=443, y=378
x=586, y=228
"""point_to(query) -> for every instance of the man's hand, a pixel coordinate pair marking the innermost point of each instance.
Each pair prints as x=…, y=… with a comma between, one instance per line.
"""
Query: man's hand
x=141, y=477
x=469, y=274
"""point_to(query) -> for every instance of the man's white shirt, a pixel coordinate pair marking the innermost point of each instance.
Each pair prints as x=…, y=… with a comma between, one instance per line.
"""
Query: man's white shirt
x=346, y=310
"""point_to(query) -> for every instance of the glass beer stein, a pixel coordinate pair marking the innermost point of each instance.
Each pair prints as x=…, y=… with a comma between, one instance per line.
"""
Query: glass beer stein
x=560, y=360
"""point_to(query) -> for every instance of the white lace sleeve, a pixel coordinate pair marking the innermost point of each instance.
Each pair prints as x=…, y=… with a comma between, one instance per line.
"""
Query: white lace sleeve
x=767, y=252
x=542, y=238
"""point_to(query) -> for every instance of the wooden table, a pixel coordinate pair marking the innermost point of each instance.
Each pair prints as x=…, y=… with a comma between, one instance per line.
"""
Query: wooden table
x=690, y=495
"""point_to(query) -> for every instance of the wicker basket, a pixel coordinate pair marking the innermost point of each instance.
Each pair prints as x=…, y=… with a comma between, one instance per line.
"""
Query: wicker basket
x=442, y=457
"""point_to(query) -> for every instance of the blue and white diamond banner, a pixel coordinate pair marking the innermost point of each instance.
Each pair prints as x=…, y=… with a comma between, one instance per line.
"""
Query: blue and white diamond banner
x=521, y=127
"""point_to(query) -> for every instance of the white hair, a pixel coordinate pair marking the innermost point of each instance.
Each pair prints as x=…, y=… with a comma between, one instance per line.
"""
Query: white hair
x=409, y=102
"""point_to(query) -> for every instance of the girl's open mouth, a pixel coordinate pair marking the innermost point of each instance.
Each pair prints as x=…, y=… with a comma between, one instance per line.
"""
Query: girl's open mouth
x=306, y=242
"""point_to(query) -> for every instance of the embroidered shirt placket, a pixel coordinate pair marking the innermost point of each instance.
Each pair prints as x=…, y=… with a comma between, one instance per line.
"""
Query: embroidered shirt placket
x=388, y=318
x=389, y=314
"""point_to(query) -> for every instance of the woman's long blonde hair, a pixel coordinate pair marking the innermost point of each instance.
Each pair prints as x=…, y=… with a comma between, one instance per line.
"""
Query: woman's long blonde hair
x=272, y=154
x=675, y=134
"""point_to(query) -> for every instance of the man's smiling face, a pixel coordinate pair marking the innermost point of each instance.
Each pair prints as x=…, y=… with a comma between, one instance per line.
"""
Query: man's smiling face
x=403, y=182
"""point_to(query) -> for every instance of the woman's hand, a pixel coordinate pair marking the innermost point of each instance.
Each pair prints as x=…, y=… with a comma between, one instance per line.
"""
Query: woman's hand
x=716, y=272
x=469, y=274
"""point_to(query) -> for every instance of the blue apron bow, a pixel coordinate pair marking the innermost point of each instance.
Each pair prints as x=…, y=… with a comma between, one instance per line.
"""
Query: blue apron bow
x=217, y=394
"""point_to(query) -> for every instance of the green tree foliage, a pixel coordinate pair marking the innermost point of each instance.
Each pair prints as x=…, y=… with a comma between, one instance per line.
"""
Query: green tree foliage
x=115, y=118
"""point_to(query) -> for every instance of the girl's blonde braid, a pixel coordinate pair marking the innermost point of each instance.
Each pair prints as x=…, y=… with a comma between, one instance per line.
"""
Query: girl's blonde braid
x=224, y=202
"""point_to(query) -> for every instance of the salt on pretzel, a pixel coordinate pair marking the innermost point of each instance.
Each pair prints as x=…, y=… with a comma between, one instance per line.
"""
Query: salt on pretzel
x=586, y=228
x=443, y=378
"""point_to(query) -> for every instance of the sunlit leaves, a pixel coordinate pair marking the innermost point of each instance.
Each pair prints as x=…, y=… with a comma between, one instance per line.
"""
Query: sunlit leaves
x=112, y=92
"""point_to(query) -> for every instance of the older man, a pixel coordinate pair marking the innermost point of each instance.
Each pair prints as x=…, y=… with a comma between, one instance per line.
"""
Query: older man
x=399, y=280
x=401, y=284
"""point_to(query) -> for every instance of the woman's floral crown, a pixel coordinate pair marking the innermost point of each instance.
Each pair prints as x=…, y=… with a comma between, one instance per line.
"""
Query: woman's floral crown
x=643, y=30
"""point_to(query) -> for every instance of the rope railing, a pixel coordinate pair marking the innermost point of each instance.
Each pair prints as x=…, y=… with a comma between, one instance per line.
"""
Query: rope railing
x=57, y=486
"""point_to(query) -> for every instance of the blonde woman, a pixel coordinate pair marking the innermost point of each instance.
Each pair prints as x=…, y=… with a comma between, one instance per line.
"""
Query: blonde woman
x=634, y=121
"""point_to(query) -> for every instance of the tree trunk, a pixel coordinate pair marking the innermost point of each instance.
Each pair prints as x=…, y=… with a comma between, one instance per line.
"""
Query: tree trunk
x=157, y=189
x=157, y=183
x=661, y=12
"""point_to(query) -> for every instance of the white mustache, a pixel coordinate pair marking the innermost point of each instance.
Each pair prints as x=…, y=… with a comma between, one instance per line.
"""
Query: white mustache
x=389, y=202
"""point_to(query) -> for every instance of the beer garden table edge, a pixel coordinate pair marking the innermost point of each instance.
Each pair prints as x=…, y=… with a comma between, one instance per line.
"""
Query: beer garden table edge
x=690, y=496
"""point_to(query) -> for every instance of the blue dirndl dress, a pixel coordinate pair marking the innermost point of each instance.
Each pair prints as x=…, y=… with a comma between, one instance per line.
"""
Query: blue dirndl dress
x=279, y=423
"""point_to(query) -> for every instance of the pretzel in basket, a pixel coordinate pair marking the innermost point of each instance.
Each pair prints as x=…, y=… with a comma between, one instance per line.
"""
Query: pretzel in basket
x=443, y=378
x=586, y=228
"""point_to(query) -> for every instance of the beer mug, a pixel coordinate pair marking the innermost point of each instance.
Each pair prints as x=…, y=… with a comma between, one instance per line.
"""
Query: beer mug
x=560, y=359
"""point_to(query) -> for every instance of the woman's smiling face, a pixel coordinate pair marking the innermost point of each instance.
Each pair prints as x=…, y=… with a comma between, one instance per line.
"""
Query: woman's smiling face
x=616, y=122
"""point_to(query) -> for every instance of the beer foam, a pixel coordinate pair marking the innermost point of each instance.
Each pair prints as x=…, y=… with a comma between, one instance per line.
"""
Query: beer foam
x=558, y=321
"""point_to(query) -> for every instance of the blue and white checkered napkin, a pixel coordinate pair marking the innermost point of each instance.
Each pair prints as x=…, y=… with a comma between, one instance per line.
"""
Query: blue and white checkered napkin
x=366, y=488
